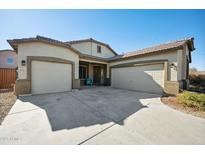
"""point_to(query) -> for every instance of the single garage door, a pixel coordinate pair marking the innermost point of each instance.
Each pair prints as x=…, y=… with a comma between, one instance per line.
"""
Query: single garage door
x=49, y=77
x=147, y=78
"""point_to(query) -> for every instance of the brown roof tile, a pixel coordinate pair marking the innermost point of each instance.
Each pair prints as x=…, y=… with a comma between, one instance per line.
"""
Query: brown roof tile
x=170, y=45
x=15, y=42
x=158, y=48
x=6, y=50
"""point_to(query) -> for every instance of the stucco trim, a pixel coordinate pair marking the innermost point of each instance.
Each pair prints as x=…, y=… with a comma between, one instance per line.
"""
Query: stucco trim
x=143, y=63
x=166, y=71
x=170, y=87
x=138, y=63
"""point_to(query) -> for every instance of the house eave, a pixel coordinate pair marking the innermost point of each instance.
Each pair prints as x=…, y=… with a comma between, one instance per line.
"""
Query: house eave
x=145, y=54
x=15, y=42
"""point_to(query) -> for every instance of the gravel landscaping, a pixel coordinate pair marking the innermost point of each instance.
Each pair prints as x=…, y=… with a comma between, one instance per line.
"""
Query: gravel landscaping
x=173, y=102
x=7, y=100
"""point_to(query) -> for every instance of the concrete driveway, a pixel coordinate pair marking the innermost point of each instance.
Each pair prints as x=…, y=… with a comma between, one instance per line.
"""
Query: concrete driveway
x=99, y=115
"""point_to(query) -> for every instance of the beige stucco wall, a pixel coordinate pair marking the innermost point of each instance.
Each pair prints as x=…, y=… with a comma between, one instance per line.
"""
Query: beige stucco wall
x=183, y=55
x=186, y=60
x=170, y=56
x=3, y=59
x=184, y=65
x=84, y=47
x=180, y=63
x=47, y=50
x=106, y=53
x=90, y=48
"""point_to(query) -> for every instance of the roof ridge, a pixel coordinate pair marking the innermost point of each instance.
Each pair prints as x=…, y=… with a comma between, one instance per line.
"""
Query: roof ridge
x=180, y=40
x=78, y=40
x=87, y=39
x=51, y=39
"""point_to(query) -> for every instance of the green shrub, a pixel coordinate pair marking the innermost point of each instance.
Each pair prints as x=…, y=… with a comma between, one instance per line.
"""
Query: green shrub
x=192, y=99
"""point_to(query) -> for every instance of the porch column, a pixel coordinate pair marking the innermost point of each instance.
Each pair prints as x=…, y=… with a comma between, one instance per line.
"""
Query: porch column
x=90, y=71
x=108, y=75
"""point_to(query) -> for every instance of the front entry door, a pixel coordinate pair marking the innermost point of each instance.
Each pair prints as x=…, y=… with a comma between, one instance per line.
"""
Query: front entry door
x=96, y=74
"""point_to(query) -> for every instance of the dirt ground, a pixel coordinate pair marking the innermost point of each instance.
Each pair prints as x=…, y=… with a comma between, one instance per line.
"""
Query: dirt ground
x=7, y=100
x=173, y=103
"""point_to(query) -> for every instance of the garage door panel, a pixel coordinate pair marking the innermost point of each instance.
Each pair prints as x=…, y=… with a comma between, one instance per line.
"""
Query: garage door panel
x=149, y=78
x=48, y=77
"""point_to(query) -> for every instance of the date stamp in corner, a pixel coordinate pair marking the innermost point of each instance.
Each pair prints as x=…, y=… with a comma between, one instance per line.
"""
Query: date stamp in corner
x=10, y=139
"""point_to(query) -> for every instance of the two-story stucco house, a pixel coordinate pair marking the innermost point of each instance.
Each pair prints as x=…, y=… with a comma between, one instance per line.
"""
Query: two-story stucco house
x=8, y=59
x=46, y=66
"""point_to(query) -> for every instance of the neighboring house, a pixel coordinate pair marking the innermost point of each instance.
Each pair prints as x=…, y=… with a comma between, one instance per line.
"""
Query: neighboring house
x=8, y=59
x=46, y=65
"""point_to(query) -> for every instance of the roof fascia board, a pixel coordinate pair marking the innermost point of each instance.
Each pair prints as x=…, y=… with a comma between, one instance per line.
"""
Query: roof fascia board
x=14, y=43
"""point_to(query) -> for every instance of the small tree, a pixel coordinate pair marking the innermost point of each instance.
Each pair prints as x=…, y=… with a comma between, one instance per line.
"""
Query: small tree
x=192, y=70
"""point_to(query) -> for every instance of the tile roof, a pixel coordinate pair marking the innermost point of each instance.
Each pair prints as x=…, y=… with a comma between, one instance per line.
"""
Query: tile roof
x=158, y=48
x=6, y=50
x=15, y=42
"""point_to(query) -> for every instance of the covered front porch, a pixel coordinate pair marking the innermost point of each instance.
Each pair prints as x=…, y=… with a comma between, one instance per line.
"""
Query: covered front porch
x=93, y=71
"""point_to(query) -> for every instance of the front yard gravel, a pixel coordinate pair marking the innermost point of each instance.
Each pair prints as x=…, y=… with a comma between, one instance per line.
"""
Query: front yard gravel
x=7, y=100
x=175, y=104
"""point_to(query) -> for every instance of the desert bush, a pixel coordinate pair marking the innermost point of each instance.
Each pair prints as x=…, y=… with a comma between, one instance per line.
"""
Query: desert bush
x=192, y=99
x=197, y=80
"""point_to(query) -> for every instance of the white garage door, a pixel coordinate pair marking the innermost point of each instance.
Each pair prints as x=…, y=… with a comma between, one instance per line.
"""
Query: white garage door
x=48, y=77
x=147, y=78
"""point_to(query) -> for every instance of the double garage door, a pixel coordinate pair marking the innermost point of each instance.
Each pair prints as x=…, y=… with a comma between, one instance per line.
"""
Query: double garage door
x=146, y=78
x=50, y=77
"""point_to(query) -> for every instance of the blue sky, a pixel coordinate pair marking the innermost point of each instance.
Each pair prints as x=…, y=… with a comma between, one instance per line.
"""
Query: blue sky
x=124, y=30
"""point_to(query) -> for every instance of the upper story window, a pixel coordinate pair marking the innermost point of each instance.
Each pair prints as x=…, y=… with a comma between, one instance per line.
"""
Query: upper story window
x=10, y=60
x=99, y=49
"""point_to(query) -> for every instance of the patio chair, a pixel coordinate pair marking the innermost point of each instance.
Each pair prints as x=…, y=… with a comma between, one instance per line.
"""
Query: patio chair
x=89, y=82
